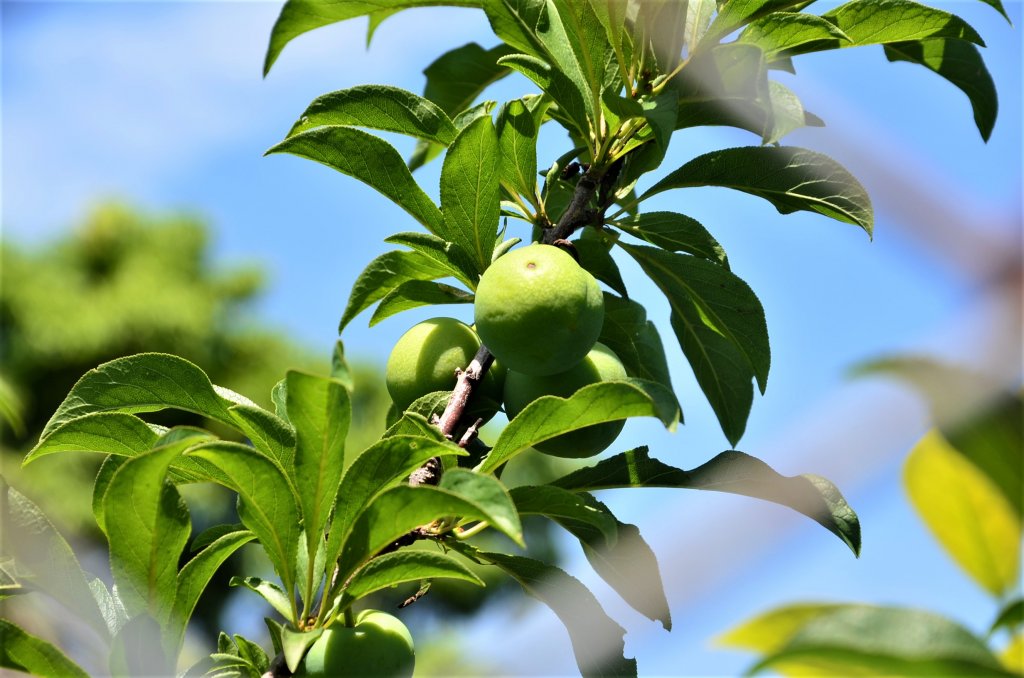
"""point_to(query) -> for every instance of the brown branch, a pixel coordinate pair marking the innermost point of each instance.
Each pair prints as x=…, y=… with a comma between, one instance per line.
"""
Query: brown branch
x=578, y=213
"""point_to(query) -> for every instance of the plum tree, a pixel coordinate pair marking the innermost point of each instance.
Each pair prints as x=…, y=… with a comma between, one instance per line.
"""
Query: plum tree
x=538, y=311
x=600, y=364
x=426, y=358
x=379, y=644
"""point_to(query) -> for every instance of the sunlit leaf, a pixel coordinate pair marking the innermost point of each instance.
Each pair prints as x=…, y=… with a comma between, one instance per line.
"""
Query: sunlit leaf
x=884, y=21
x=402, y=567
x=966, y=512
x=385, y=274
x=490, y=496
x=417, y=293
x=22, y=651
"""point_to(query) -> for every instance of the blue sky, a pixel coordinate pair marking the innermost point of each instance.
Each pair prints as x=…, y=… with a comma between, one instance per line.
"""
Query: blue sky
x=163, y=105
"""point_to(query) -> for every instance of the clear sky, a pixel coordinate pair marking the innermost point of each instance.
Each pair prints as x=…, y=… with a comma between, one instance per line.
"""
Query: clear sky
x=163, y=105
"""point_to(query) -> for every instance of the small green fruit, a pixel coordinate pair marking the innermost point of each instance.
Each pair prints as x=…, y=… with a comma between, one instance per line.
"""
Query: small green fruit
x=601, y=364
x=378, y=645
x=538, y=311
x=425, y=360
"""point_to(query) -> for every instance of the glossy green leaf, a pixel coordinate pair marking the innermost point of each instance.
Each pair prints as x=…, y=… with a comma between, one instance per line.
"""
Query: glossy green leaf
x=21, y=651
x=194, y=578
x=518, y=23
x=452, y=258
x=491, y=498
x=146, y=382
x=699, y=14
x=579, y=513
x=368, y=158
x=269, y=433
x=104, y=432
x=767, y=633
x=269, y=591
x=386, y=273
x=730, y=471
x=417, y=293
x=788, y=177
x=960, y=63
x=459, y=76
x=676, y=233
x=147, y=525
x=517, y=128
x=393, y=514
x=45, y=558
x=873, y=22
x=737, y=13
x=726, y=304
x=597, y=641
x=110, y=607
x=575, y=39
x=296, y=643
x=634, y=339
x=267, y=501
x=471, y=193
x=966, y=512
x=788, y=113
x=786, y=34
x=998, y=6
x=402, y=567
x=562, y=90
x=106, y=473
x=300, y=16
x=385, y=463
x=551, y=416
x=883, y=641
x=321, y=412
x=726, y=85
x=379, y=107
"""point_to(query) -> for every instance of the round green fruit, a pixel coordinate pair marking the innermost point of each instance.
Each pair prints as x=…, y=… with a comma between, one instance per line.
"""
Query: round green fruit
x=538, y=311
x=378, y=645
x=425, y=360
x=601, y=364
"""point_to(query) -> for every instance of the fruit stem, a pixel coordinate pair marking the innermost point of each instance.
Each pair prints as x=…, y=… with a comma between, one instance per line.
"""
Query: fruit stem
x=350, y=617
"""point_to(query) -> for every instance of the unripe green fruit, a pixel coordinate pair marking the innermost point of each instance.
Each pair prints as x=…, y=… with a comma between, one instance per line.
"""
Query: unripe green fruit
x=601, y=364
x=538, y=311
x=378, y=645
x=425, y=359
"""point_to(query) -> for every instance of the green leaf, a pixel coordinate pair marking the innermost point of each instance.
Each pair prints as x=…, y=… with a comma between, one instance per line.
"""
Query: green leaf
x=110, y=607
x=788, y=113
x=738, y=13
x=267, y=501
x=269, y=433
x=104, y=432
x=579, y=513
x=551, y=416
x=722, y=371
x=676, y=233
x=960, y=63
x=393, y=514
x=874, y=22
x=380, y=107
x=730, y=471
x=518, y=23
x=453, y=258
x=489, y=496
x=597, y=641
x=998, y=6
x=727, y=85
x=42, y=554
x=22, y=651
x=401, y=567
x=1010, y=617
x=575, y=39
x=321, y=412
x=416, y=293
x=456, y=78
x=194, y=578
x=517, y=127
x=296, y=643
x=386, y=273
x=592, y=250
x=269, y=591
x=725, y=303
x=380, y=466
x=299, y=16
x=147, y=525
x=146, y=382
x=106, y=473
x=966, y=512
x=634, y=339
x=470, y=192
x=867, y=640
x=340, y=370
x=368, y=158
x=562, y=90
x=788, y=177
x=786, y=34
x=769, y=632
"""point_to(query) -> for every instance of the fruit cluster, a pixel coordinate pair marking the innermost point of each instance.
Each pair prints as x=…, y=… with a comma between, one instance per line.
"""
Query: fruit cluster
x=540, y=314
